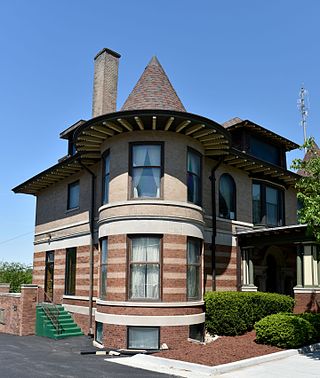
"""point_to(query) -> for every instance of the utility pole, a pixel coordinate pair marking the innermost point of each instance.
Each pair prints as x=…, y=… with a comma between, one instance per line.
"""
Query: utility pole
x=303, y=107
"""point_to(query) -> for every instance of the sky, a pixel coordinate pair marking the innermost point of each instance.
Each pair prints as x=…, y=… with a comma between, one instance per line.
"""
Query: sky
x=226, y=59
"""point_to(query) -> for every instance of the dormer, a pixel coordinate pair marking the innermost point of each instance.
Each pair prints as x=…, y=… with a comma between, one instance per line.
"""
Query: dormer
x=263, y=144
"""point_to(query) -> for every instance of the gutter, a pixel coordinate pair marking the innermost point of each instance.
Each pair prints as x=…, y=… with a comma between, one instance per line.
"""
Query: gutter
x=91, y=259
x=212, y=178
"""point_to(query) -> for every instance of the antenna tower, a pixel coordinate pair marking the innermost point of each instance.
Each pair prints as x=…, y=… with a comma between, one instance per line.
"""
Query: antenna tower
x=303, y=107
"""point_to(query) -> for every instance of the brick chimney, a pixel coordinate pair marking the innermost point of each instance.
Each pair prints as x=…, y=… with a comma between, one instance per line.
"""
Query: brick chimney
x=105, y=82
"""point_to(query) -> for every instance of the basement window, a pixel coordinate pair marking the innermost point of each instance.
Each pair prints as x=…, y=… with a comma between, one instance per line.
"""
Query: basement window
x=143, y=338
x=2, y=316
x=196, y=332
x=99, y=332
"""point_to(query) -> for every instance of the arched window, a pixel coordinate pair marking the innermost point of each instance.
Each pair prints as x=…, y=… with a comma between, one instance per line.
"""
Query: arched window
x=227, y=197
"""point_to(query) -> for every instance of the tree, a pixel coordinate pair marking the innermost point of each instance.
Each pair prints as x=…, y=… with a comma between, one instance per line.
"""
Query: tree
x=15, y=274
x=308, y=187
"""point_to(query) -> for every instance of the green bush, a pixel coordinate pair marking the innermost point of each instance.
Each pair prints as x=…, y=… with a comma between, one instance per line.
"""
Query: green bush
x=234, y=313
x=284, y=331
x=314, y=320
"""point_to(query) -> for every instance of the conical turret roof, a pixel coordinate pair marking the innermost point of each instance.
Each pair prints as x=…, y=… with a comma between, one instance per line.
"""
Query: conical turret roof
x=153, y=91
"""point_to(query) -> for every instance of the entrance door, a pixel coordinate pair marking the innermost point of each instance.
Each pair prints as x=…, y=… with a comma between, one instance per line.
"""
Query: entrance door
x=272, y=275
x=48, y=284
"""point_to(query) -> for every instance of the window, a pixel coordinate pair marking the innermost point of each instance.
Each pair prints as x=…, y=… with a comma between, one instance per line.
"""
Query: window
x=264, y=151
x=145, y=268
x=143, y=338
x=146, y=170
x=2, y=316
x=73, y=195
x=194, y=177
x=70, y=281
x=105, y=178
x=104, y=259
x=196, y=332
x=99, y=332
x=267, y=205
x=227, y=197
x=193, y=268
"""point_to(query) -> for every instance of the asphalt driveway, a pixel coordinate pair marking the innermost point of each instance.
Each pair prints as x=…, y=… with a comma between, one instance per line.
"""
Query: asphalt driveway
x=39, y=357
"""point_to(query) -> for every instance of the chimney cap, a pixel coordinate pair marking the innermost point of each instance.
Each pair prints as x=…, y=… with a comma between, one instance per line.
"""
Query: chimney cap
x=108, y=51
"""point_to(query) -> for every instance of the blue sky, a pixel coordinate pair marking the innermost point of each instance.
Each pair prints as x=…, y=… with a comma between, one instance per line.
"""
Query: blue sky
x=225, y=58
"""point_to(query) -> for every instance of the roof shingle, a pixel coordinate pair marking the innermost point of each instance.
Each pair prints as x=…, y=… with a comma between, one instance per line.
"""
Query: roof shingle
x=153, y=91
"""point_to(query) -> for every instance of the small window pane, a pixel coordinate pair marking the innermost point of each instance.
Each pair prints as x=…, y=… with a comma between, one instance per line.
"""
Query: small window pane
x=145, y=249
x=146, y=182
x=70, y=281
x=196, y=332
x=264, y=151
x=193, y=269
x=227, y=197
x=104, y=251
x=99, y=332
x=256, y=203
x=143, y=338
x=194, y=178
x=193, y=163
x=103, y=276
x=146, y=156
x=106, y=179
x=2, y=320
x=73, y=195
x=194, y=251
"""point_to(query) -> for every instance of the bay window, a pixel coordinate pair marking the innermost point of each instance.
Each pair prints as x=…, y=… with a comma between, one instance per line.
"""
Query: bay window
x=144, y=268
x=146, y=165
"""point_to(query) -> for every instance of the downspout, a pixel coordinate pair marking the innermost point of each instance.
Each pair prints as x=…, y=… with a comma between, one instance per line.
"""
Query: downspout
x=214, y=221
x=91, y=256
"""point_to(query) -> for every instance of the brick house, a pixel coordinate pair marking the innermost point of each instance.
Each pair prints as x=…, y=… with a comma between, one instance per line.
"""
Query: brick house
x=153, y=206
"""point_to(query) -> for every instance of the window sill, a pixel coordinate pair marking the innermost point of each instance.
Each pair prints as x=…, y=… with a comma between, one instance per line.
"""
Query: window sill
x=72, y=210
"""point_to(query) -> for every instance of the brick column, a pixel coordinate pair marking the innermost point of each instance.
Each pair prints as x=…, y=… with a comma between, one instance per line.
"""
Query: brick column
x=29, y=294
x=247, y=270
x=307, y=291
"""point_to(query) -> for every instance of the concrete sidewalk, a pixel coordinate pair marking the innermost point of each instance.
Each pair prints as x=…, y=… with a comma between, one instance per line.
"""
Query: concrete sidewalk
x=293, y=363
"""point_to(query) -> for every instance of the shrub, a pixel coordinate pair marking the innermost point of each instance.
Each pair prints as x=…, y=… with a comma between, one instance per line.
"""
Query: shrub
x=284, y=331
x=234, y=313
x=314, y=320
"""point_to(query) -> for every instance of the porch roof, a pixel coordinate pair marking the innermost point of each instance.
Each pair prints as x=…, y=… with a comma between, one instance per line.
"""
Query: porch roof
x=296, y=233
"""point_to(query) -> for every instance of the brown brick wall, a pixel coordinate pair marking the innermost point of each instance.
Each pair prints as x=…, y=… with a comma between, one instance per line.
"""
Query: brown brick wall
x=307, y=302
x=82, y=272
x=4, y=288
x=115, y=336
x=150, y=311
x=83, y=322
x=12, y=314
x=19, y=311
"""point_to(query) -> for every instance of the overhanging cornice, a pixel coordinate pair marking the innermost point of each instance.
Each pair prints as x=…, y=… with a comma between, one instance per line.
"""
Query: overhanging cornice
x=259, y=168
x=65, y=168
x=214, y=138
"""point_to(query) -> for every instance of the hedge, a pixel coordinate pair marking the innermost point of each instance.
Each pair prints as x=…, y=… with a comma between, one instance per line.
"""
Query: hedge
x=234, y=313
x=284, y=331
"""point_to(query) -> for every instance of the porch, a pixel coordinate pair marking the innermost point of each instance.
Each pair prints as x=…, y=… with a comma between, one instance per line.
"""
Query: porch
x=283, y=260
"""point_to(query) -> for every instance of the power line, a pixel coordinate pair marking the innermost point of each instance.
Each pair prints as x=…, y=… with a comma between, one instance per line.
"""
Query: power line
x=16, y=237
